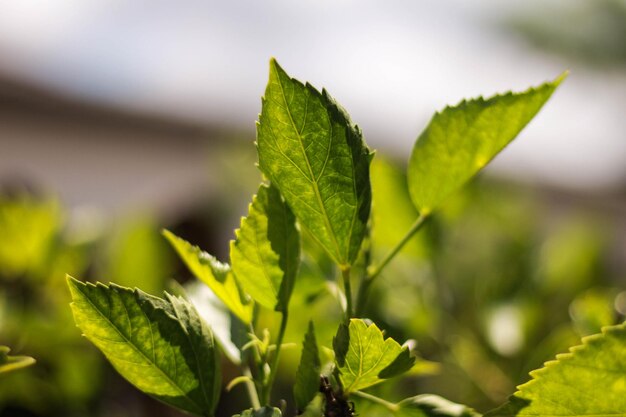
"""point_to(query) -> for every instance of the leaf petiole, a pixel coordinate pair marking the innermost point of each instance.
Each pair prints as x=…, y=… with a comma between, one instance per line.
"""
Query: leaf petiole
x=375, y=271
x=265, y=395
x=377, y=400
x=345, y=274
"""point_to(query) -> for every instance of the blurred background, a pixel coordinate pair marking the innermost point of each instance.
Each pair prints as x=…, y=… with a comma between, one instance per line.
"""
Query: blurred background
x=120, y=118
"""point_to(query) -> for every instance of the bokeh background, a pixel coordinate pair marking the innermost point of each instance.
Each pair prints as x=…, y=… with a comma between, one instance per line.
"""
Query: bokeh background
x=120, y=118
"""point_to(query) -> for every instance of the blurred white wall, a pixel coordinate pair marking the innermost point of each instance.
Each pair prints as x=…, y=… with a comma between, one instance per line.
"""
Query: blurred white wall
x=391, y=64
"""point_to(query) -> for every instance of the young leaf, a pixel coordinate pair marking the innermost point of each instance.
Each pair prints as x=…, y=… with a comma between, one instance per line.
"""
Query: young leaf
x=261, y=412
x=308, y=374
x=428, y=405
x=461, y=140
x=10, y=363
x=590, y=380
x=312, y=152
x=266, y=253
x=216, y=275
x=161, y=346
x=365, y=358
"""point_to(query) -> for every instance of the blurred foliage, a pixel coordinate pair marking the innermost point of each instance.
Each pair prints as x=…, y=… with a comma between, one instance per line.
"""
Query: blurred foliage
x=592, y=32
x=493, y=286
x=41, y=242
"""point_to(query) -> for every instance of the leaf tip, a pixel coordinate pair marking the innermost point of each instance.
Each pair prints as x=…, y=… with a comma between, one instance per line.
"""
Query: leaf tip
x=560, y=78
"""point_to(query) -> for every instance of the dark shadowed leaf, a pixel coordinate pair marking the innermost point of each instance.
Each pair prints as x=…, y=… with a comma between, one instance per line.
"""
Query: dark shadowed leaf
x=307, y=382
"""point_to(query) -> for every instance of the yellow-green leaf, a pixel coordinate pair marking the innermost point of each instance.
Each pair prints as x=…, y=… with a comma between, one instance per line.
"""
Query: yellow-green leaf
x=590, y=380
x=316, y=156
x=365, y=358
x=459, y=141
x=215, y=275
x=161, y=346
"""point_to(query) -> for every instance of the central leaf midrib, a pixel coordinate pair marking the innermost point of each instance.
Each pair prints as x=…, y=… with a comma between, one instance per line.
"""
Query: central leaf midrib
x=313, y=179
x=130, y=343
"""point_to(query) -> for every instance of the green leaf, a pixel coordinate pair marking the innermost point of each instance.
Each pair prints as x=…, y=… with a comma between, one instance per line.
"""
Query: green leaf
x=10, y=363
x=365, y=358
x=312, y=152
x=161, y=346
x=461, y=140
x=261, y=412
x=266, y=252
x=428, y=405
x=216, y=275
x=307, y=383
x=590, y=380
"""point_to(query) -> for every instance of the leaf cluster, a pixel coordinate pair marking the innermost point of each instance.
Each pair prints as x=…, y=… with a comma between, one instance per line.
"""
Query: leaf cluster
x=317, y=186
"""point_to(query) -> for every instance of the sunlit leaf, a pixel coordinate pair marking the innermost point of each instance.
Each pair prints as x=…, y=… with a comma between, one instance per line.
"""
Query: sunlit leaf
x=365, y=358
x=459, y=141
x=312, y=152
x=266, y=253
x=590, y=380
x=10, y=363
x=161, y=346
x=216, y=275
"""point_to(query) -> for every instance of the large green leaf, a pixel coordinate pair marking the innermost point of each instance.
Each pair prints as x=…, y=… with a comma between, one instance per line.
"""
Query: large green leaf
x=428, y=405
x=10, y=363
x=161, y=346
x=216, y=275
x=266, y=253
x=590, y=380
x=307, y=383
x=313, y=153
x=461, y=140
x=365, y=358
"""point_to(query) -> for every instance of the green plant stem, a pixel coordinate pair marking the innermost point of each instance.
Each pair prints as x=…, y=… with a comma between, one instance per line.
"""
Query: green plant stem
x=252, y=392
x=345, y=273
x=375, y=272
x=372, y=398
x=275, y=359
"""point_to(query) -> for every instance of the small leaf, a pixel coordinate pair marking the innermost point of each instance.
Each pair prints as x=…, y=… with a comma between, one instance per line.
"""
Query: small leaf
x=365, y=358
x=307, y=383
x=266, y=253
x=312, y=152
x=261, y=412
x=590, y=380
x=161, y=346
x=461, y=140
x=216, y=275
x=428, y=405
x=10, y=363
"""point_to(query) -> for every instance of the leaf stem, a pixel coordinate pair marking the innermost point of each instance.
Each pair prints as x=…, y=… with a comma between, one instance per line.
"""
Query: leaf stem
x=377, y=400
x=275, y=359
x=252, y=392
x=345, y=273
x=375, y=272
